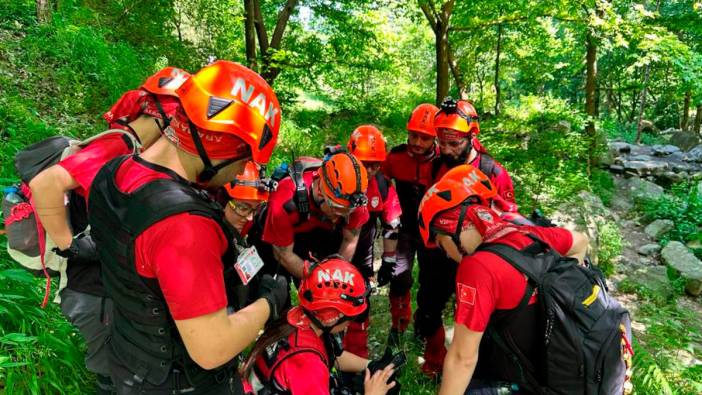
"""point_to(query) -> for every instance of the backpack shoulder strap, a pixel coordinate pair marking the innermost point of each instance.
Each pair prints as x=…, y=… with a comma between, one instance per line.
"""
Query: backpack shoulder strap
x=382, y=185
x=487, y=165
x=131, y=140
x=522, y=260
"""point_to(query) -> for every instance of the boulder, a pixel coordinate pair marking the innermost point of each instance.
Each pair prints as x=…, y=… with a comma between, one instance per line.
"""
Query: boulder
x=585, y=213
x=664, y=150
x=649, y=249
x=616, y=169
x=619, y=147
x=653, y=278
x=640, y=189
x=670, y=177
x=647, y=125
x=658, y=228
x=640, y=158
x=684, y=140
x=644, y=168
x=695, y=154
x=684, y=263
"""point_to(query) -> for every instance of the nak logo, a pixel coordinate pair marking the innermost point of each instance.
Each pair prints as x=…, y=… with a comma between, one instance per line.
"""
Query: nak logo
x=338, y=275
x=245, y=92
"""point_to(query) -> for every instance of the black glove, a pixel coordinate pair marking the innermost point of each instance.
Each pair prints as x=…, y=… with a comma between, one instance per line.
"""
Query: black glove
x=81, y=250
x=398, y=359
x=275, y=291
x=387, y=268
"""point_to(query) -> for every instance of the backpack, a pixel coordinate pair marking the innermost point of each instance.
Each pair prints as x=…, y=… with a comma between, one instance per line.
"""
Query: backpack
x=27, y=241
x=587, y=333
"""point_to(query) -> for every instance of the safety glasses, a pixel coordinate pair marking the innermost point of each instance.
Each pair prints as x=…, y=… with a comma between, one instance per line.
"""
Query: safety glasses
x=242, y=208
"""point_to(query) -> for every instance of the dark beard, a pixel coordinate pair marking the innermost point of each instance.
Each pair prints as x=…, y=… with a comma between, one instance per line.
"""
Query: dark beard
x=451, y=162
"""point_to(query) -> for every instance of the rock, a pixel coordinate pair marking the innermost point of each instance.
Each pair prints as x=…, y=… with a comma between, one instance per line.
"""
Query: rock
x=683, y=140
x=621, y=203
x=616, y=169
x=670, y=177
x=647, y=125
x=645, y=168
x=682, y=167
x=585, y=213
x=694, y=244
x=619, y=147
x=644, y=261
x=658, y=228
x=684, y=263
x=695, y=154
x=640, y=189
x=664, y=150
x=640, y=157
x=649, y=249
x=653, y=278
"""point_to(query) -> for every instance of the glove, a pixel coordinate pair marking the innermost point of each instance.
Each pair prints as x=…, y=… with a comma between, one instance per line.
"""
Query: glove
x=81, y=250
x=387, y=268
x=275, y=292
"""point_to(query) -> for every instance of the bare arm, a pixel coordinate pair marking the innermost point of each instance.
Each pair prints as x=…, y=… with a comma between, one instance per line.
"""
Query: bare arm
x=579, y=247
x=349, y=242
x=349, y=362
x=460, y=361
x=48, y=190
x=290, y=261
x=214, y=339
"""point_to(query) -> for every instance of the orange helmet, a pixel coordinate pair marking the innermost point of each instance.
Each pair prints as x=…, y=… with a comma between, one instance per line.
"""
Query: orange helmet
x=331, y=291
x=463, y=185
x=367, y=144
x=344, y=180
x=422, y=119
x=166, y=81
x=226, y=98
x=457, y=115
x=249, y=185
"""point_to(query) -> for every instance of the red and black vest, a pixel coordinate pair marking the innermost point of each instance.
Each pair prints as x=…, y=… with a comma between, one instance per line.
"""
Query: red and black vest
x=144, y=338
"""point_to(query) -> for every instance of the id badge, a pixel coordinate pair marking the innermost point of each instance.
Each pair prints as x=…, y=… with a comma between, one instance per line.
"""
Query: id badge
x=248, y=264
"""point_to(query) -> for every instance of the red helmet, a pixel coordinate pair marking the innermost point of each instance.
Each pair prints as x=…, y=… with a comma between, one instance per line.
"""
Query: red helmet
x=422, y=119
x=166, y=81
x=249, y=185
x=330, y=292
x=462, y=185
x=344, y=180
x=457, y=115
x=367, y=144
x=228, y=103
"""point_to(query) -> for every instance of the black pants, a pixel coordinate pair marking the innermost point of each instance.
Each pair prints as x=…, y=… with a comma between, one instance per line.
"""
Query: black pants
x=437, y=282
x=176, y=383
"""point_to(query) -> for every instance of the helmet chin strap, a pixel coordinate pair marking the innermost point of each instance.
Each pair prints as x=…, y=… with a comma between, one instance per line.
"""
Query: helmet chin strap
x=210, y=170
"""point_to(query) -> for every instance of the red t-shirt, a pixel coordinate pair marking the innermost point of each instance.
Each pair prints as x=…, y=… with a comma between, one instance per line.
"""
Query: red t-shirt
x=389, y=209
x=84, y=165
x=304, y=373
x=183, y=252
x=282, y=225
x=486, y=282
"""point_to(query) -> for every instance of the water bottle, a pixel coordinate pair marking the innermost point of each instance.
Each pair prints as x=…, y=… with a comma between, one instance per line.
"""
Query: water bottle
x=280, y=172
x=12, y=195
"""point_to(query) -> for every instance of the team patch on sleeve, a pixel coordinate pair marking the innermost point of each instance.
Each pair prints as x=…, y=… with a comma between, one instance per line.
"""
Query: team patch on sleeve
x=466, y=294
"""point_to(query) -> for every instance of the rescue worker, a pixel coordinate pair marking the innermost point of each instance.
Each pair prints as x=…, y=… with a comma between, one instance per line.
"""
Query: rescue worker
x=410, y=167
x=457, y=130
x=368, y=145
x=298, y=355
x=83, y=300
x=319, y=211
x=457, y=126
x=455, y=214
x=164, y=245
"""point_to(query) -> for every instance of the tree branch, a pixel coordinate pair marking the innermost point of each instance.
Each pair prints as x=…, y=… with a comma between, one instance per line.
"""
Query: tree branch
x=283, y=17
x=429, y=14
x=513, y=19
x=260, y=28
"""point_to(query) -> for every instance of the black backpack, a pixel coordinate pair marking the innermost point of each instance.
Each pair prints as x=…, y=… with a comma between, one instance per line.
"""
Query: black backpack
x=587, y=333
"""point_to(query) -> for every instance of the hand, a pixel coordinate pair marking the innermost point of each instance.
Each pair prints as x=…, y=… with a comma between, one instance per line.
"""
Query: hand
x=397, y=360
x=275, y=292
x=81, y=250
x=387, y=268
x=377, y=384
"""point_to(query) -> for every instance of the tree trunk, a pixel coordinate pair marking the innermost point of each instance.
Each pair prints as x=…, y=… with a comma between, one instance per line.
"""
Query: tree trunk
x=642, y=102
x=686, y=111
x=590, y=87
x=439, y=23
x=270, y=71
x=44, y=9
x=250, y=34
x=698, y=120
x=457, y=75
x=497, y=68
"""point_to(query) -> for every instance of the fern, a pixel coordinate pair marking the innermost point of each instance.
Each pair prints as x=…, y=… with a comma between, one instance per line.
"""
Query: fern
x=648, y=377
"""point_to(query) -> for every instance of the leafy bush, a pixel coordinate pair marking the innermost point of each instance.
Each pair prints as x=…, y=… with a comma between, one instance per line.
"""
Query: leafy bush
x=610, y=247
x=540, y=140
x=684, y=207
x=602, y=184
